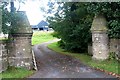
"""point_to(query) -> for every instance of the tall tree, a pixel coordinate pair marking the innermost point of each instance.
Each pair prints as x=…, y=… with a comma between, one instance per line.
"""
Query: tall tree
x=72, y=23
x=112, y=12
x=7, y=16
x=73, y=26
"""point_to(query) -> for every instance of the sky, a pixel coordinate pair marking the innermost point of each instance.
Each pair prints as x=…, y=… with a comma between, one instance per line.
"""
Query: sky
x=32, y=8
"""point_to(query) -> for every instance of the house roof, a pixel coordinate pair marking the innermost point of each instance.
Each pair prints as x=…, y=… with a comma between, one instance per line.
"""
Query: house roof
x=34, y=26
x=42, y=23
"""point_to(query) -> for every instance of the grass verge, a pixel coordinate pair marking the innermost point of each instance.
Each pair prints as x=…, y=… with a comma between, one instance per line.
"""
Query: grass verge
x=16, y=73
x=41, y=36
x=108, y=65
x=3, y=39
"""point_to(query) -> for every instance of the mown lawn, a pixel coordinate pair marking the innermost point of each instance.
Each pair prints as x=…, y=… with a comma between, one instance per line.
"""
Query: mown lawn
x=108, y=65
x=16, y=73
x=3, y=39
x=41, y=36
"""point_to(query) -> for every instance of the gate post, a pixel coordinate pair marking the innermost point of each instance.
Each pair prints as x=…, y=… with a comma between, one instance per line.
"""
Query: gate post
x=99, y=38
x=20, y=54
x=3, y=56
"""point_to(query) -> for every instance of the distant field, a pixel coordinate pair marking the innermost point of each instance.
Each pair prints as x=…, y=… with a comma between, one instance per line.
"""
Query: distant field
x=41, y=36
x=38, y=37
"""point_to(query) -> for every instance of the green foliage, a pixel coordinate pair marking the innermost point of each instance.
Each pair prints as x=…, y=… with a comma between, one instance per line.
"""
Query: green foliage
x=114, y=28
x=112, y=12
x=73, y=27
x=61, y=44
x=40, y=37
x=8, y=18
x=55, y=34
x=72, y=22
x=112, y=55
x=5, y=19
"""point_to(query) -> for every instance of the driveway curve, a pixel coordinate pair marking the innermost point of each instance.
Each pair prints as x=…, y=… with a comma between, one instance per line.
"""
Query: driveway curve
x=53, y=65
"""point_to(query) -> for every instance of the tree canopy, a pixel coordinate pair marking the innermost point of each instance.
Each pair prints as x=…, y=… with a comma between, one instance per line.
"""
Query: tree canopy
x=6, y=21
x=72, y=22
x=9, y=17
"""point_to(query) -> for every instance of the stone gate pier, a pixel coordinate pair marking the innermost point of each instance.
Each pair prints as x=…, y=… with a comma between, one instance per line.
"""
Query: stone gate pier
x=20, y=50
x=115, y=47
x=3, y=56
x=100, y=46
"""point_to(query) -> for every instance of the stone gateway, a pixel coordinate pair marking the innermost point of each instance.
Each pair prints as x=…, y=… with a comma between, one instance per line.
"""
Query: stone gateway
x=17, y=51
x=100, y=47
x=20, y=53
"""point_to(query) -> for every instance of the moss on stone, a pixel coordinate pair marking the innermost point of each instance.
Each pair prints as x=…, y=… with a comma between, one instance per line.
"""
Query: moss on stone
x=99, y=23
x=21, y=23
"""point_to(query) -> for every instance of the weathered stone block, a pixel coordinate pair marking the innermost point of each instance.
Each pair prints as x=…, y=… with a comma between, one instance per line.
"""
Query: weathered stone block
x=3, y=56
x=25, y=62
x=99, y=23
x=100, y=46
x=99, y=38
x=3, y=64
x=20, y=50
x=90, y=52
x=21, y=53
x=115, y=47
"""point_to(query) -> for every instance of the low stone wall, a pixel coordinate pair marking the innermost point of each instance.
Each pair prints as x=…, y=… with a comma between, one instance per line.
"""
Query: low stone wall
x=3, y=56
x=90, y=50
x=20, y=53
x=5, y=59
x=114, y=46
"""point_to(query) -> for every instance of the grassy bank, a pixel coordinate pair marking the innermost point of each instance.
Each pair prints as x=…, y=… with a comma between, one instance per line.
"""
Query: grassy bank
x=3, y=39
x=16, y=73
x=41, y=36
x=108, y=65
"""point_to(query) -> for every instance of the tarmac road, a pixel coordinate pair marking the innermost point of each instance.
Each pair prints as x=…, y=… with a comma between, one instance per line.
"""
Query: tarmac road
x=54, y=65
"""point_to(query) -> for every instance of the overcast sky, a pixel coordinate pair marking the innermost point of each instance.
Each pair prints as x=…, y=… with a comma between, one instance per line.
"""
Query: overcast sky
x=32, y=8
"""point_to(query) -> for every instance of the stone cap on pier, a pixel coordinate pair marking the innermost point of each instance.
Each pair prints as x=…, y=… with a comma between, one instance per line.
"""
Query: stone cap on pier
x=21, y=24
x=99, y=24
